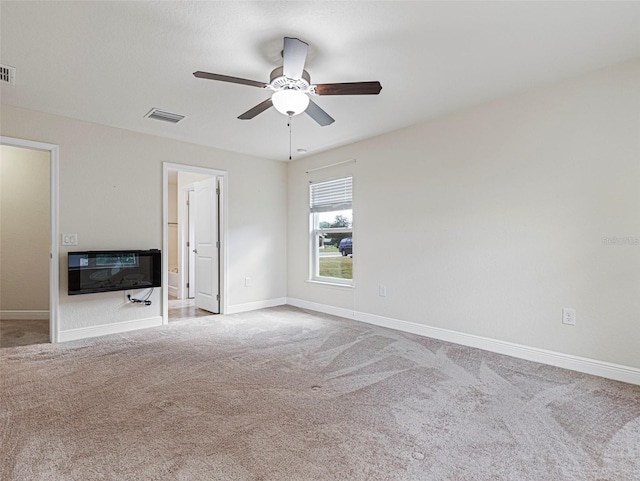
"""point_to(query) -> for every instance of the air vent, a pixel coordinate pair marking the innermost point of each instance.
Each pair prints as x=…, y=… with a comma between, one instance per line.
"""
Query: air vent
x=165, y=116
x=7, y=75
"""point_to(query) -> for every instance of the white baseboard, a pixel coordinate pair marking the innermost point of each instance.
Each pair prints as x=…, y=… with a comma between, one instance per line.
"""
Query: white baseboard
x=313, y=306
x=24, y=315
x=252, y=306
x=105, y=329
x=567, y=361
x=173, y=291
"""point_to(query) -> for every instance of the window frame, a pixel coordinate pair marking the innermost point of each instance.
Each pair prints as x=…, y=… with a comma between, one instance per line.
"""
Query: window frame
x=314, y=238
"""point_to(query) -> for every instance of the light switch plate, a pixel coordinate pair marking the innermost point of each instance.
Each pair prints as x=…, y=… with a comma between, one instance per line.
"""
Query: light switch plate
x=69, y=239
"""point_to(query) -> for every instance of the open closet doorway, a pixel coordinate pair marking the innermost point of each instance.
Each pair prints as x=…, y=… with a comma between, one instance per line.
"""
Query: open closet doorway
x=29, y=254
x=194, y=254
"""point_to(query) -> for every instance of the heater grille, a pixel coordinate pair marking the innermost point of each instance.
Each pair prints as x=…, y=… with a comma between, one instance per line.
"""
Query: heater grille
x=7, y=75
x=165, y=116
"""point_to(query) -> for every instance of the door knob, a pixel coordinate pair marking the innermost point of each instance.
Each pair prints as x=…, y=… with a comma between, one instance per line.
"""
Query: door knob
x=195, y=251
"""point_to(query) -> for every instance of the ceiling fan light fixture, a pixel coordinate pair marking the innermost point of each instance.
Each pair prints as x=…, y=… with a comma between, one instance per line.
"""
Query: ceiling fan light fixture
x=290, y=101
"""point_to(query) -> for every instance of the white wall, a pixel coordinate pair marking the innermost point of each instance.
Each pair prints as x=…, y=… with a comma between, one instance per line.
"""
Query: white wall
x=492, y=220
x=111, y=196
x=24, y=230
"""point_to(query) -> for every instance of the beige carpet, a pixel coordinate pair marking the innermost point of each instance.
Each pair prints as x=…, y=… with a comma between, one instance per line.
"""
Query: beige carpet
x=284, y=394
x=23, y=332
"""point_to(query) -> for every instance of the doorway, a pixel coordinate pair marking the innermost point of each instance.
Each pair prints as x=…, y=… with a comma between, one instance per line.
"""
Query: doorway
x=194, y=241
x=36, y=319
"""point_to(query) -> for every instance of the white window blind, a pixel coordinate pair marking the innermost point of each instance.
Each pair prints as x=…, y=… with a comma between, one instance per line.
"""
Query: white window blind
x=332, y=195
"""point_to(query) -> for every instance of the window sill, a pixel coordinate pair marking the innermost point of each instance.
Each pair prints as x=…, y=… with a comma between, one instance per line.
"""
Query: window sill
x=334, y=285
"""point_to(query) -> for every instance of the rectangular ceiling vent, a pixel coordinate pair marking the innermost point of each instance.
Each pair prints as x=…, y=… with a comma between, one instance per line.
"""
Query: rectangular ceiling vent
x=7, y=75
x=165, y=116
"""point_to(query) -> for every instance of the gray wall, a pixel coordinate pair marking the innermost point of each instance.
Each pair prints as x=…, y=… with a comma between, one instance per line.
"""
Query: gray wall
x=24, y=231
x=111, y=196
x=490, y=221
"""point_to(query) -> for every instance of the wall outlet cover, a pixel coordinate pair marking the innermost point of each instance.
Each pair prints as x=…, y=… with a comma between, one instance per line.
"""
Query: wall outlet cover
x=569, y=316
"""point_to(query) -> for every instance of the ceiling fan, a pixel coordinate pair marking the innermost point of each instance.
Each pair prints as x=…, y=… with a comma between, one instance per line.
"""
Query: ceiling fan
x=291, y=86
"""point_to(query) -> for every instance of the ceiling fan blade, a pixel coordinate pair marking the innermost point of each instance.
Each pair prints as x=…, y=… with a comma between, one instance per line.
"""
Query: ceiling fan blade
x=349, y=88
x=294, y=56
x=226, y=78
x=319, y=115
x=258, y=109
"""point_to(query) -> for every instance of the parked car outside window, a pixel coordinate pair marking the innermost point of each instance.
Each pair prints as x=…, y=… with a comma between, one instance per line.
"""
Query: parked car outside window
x=346, y=247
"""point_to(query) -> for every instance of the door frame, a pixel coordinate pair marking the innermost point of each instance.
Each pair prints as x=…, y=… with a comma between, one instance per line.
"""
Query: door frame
x=188, y=233
x=222, y=221
x=54, y=251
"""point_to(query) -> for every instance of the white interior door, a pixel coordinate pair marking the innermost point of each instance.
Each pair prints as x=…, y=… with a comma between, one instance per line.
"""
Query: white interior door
x=206, y=245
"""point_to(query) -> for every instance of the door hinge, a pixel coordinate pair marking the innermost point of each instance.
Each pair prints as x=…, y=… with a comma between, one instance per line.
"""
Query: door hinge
x=188, y=244
x=187, y=285
x=217, y=191
x=217, y=245
x=187, y=200
x=217, y=297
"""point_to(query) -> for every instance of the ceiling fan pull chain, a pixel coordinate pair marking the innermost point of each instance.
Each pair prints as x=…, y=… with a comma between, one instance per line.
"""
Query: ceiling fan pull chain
x=289, y=125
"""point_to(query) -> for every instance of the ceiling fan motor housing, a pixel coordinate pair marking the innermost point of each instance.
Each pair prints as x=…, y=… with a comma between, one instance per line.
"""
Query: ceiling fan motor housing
x=278, y=81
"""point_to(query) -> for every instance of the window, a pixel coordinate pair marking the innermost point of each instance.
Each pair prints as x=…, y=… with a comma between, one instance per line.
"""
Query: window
x=332, y=231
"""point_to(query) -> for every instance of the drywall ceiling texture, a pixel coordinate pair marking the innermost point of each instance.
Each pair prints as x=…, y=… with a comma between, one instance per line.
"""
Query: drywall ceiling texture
x=24, y=230
x=111, y=62
x=111, y=196
x=489, y=222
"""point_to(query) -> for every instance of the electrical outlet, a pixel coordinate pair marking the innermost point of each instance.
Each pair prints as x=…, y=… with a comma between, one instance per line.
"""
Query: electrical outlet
x=247, y=282
x=569, y=316
x=382, y=290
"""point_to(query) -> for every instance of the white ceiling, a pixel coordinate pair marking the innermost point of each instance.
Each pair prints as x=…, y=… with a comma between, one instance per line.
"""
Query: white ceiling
x=111, y=62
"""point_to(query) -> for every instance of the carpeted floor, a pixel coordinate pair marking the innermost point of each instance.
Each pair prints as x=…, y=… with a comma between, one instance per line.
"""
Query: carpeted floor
x=23, y=332
x=285, y=394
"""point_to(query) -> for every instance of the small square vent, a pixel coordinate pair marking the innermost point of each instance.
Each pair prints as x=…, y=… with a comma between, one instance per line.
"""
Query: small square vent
x=165, y=116
x=7, y=75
